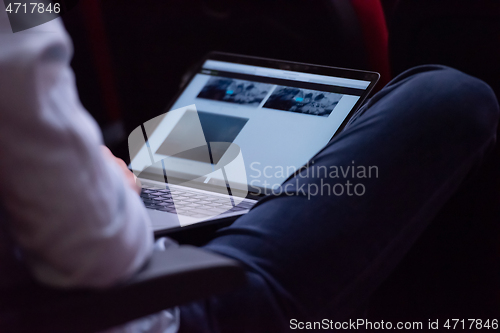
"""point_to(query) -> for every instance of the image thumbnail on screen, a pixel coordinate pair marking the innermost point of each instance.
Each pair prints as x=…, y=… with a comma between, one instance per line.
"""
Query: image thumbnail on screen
x=216, y=128
x=235, y=91
x=305, y=101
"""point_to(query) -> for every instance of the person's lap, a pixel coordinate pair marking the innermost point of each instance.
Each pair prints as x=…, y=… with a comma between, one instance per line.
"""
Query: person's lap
x=313, y=253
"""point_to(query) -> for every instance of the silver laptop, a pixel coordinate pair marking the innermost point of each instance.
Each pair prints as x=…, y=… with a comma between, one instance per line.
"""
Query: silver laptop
x=237, y=130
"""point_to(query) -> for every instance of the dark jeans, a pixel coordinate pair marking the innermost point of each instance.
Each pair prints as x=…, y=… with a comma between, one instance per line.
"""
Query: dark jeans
x=310, y=257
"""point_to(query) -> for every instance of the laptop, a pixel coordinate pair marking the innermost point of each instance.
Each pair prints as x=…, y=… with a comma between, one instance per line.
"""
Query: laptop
x=239, y=128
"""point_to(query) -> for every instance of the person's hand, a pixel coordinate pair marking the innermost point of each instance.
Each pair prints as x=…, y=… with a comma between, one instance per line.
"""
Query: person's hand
x=130, y=178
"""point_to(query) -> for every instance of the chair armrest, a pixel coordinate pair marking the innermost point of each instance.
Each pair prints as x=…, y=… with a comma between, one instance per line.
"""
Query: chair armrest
x=170, y=278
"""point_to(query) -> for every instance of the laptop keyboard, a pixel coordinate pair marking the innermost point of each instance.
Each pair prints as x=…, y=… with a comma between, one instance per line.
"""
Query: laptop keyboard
x=189, y=203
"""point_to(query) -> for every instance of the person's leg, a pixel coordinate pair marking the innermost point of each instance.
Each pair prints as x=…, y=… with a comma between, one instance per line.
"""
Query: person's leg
x=310, y=257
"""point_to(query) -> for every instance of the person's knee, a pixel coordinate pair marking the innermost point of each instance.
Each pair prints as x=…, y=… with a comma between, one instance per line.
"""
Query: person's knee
x=457, y=100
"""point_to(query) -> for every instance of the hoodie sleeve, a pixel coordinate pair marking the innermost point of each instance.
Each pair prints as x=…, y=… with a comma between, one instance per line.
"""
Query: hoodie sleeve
x=75, y=220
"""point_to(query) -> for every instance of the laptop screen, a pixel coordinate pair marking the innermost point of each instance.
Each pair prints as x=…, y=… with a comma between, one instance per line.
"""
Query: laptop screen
x=278, y=118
